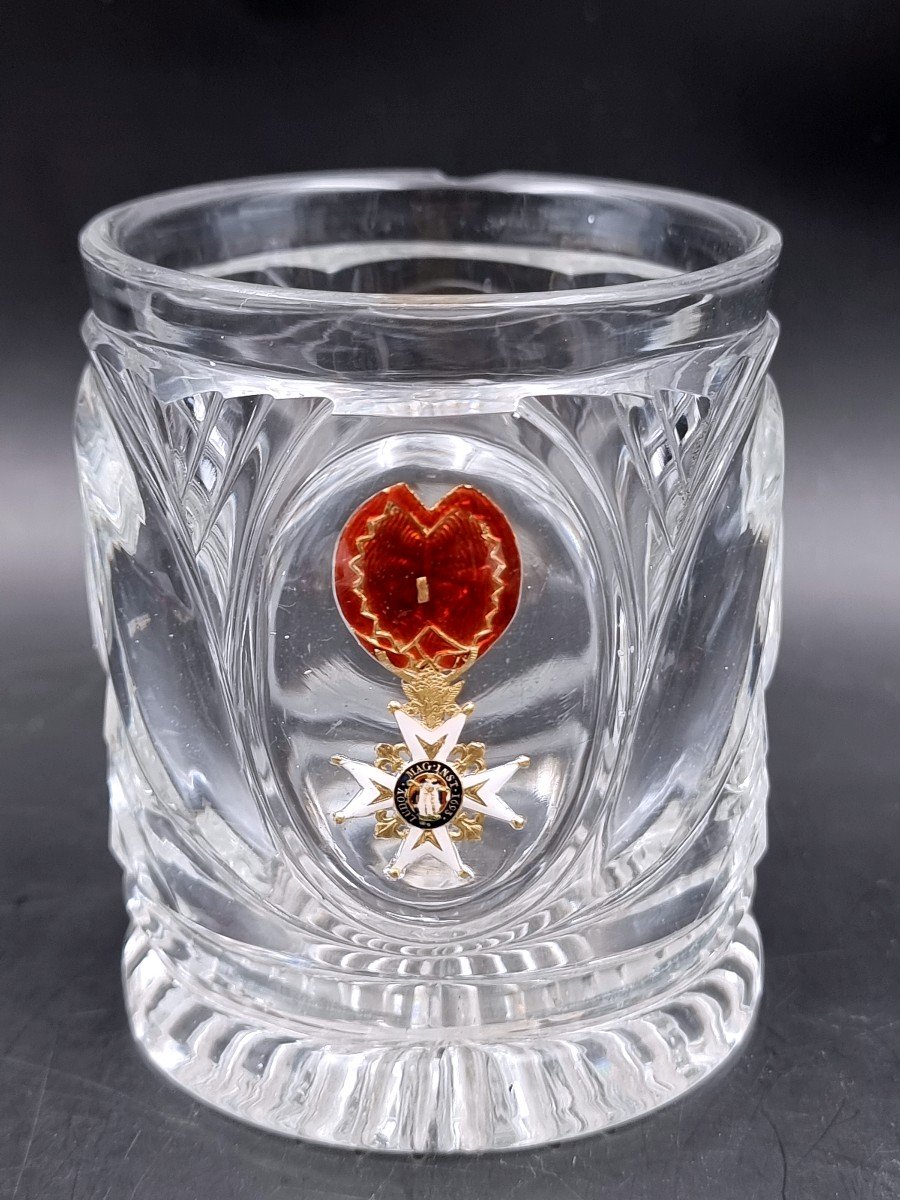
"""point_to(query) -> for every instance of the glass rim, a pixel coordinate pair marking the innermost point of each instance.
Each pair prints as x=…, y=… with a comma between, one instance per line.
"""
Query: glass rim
x=102, y=237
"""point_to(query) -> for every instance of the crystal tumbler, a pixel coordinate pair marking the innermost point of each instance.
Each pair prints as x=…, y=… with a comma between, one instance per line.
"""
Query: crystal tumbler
x=433, y=557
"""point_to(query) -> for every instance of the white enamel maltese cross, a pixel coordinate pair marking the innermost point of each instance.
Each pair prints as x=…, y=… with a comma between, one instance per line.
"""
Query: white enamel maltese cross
x=430, y=791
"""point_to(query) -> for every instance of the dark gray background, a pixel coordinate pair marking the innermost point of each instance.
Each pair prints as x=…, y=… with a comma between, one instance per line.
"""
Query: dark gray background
x=786, y=107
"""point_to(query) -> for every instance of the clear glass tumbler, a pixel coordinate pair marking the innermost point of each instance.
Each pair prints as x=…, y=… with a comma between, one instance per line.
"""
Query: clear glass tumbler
x=434, y=551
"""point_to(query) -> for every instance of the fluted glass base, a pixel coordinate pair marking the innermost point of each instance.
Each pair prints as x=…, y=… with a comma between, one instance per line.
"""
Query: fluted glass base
x=420, y=1091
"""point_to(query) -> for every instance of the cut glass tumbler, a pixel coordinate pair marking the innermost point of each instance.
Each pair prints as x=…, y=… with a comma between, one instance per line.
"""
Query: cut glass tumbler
x=433, y=555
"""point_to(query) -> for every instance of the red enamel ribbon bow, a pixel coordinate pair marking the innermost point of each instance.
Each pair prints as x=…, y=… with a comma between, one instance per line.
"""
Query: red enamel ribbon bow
x=425, y=586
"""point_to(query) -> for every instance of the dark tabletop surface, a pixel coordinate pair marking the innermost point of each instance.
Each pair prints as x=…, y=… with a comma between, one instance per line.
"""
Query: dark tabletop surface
x=782, y=107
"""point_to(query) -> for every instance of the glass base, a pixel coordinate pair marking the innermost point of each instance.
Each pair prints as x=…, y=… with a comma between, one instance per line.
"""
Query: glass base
x=412, y=1093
